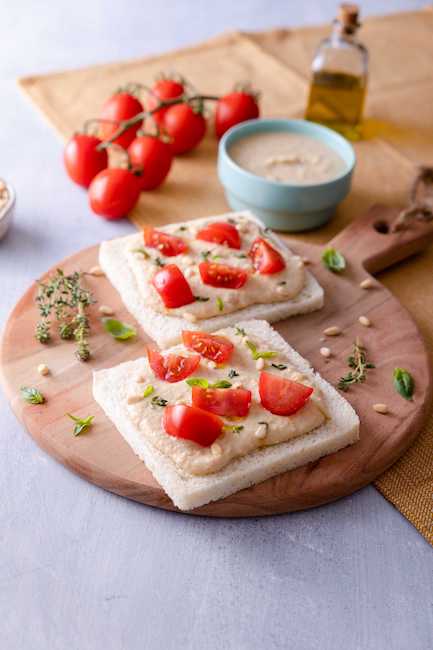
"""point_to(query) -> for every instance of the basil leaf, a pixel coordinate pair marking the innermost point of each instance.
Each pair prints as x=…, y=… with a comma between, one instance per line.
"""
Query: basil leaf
x=259, y=355
x=120, y=331
x=220, y=304
x=198, y=381
x=81, y=424
x=333, y=260
x=148, y=390
x=222, y=383
x=403, y=383
x=32, y=395
x=235, y=428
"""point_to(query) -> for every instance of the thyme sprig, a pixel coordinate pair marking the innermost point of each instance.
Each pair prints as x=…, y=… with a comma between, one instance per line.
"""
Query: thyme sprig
x=64, y=297
x=359, y=364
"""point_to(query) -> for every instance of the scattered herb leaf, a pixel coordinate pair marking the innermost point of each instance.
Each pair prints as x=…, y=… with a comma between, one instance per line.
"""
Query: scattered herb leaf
x=142, y=251
x=159, y=401
x=233, y=373
x=231, y=220
x=159, y=262
x=256, y=354
x=280, y=284
x=221, y=383
x=148, y=390
x=32, y=395
x=279, y=366
x=81, y=424
x=220, y=304
x=333, y=260
x=241, y=256
x=120, y=331
x=235, y=428
x=240, y=331
x=183, y=228
x=203, y=383
x=205, y=255
x=201, y=298
x=359, y=364
x=403, y=383
x=216, y=257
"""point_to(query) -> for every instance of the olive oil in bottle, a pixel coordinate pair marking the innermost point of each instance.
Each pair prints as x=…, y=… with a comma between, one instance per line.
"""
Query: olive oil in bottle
x=339, y=77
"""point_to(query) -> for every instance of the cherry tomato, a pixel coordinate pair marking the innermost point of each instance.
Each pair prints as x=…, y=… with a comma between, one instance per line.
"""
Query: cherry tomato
x=222, y=275
x=168, y=245
x=211, y=346
x=266, y=260
x=153, y=157
x=282, y=396
x=231, y=402
x=120, y=106
x=172, y=286
x=185, y=127
x=234, y=108
x=162, y=90
x=221, y=232
x=82, y=158
x=192, y=423
x=113, y=193
x=172, y=367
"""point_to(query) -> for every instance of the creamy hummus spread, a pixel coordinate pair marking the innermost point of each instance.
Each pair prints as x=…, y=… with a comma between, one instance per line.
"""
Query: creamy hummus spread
x=287, y=157
x=242, y=435
x=212, y=301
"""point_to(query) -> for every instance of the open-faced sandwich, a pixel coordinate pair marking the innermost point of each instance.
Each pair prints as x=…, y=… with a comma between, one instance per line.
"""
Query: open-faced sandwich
x=223, y=411
x=207, y=274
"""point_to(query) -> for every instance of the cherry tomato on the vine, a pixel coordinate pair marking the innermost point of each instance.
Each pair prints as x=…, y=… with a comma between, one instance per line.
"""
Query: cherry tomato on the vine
x=162, y=90
x=121, y=106
x=114, y=192
x=234, y=108
x=82, y=158
x=153, y=157
x=185, y=127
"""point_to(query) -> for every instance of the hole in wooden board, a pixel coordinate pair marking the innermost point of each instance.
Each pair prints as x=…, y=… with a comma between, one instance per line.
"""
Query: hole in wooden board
x=381, y=227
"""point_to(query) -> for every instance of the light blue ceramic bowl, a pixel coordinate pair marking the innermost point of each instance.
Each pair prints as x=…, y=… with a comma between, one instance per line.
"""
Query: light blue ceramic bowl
x=284, y=206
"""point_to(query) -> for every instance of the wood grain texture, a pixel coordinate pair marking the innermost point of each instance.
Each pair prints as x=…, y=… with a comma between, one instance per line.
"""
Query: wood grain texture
x=104, y=458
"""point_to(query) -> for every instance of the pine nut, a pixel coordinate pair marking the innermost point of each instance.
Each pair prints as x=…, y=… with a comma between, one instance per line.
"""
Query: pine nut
x=106, y=310
x=367, y=284
x=192, y=318
x=133, y=399
x=43, y=369
x=334, y=330
x=325, y=352
x=211, y=364
x=261, y=432
x=260, y=364
x=380, y=408
x=364, y=321
x=216, y=449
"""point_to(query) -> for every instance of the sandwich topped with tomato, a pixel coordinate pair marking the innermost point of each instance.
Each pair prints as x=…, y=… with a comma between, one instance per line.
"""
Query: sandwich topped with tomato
x=225, y=410
x=206, y=274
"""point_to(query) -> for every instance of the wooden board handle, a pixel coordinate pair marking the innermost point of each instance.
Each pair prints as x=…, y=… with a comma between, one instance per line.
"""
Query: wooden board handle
x=370, y=241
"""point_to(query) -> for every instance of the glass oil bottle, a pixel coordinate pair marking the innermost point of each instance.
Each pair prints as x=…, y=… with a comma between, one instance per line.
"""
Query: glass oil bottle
x=339, y=77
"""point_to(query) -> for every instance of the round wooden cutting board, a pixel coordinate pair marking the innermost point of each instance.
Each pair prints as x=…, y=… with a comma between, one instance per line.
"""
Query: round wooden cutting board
x=103, y=457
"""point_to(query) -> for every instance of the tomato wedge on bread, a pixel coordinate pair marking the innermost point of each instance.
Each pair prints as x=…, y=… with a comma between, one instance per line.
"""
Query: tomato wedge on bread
x=266, y=259
x=168, y=245
x=192, y=423
x=172, y=286
x=211, y=346
x=220, y=232
x=172, y=367
x=282, y=396
x=222, y=276
x=230, y=402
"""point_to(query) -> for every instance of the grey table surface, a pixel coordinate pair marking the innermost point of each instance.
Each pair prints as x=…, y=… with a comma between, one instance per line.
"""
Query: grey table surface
x=83, y=569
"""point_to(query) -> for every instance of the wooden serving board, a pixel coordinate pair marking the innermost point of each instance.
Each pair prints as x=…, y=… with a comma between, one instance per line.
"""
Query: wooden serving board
x=103, y=457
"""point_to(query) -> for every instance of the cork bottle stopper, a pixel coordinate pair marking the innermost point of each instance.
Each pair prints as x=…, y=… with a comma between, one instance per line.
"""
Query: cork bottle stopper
x=348, y=15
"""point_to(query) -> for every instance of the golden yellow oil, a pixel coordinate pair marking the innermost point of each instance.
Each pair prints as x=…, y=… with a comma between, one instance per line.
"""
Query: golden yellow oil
x=337, y=101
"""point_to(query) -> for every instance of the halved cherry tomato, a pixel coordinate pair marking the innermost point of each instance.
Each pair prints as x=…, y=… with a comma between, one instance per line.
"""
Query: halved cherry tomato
x=282, y=396
x=211, y=346
x=231, y=402
x=153, y=157
x=220, y=232
x=82, y=158
x=234, y=108
x=163, y=89
x=192, y=423
x=222, y=275
x=265, y=258
x=113, y=193
x=185, y=127
x=172, y=367
x=172, y=286
x=120, y=106
x=168, y=245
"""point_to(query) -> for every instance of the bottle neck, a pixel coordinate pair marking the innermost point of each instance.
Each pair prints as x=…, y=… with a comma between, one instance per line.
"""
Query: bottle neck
x=343, y=32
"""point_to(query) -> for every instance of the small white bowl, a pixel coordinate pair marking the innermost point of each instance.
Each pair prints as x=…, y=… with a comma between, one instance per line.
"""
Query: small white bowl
x=7, y=210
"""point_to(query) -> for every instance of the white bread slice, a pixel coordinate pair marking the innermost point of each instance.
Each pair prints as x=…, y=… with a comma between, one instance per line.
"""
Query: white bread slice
x=188, y=492
x=166, y=330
